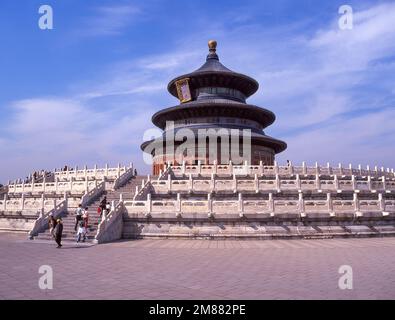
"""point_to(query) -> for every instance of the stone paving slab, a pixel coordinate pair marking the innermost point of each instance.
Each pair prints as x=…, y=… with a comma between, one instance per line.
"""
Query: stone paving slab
x=198, y=269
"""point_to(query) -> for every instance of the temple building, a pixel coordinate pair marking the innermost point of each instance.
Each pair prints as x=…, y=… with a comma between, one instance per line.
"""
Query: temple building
x=215, y=177
x=214, y=97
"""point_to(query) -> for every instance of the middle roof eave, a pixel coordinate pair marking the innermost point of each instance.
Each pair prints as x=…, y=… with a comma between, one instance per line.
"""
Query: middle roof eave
x=213, y=107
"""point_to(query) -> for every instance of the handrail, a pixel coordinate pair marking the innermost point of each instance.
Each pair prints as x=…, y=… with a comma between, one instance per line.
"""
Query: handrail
x=91, y=195
x=110, y=228
x=267, y=205
x=142, y=193
x=277, y=169
x=123, y=178
x=165, y=173
x=42, y=221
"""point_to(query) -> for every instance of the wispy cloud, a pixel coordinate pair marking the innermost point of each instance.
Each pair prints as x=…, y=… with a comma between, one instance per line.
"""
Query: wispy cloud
x=110, y=20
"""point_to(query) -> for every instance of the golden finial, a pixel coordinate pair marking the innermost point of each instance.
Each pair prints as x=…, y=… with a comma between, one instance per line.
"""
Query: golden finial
x=212, y=45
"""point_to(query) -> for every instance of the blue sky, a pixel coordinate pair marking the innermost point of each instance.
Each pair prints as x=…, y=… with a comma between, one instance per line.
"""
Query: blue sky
x=84, y=92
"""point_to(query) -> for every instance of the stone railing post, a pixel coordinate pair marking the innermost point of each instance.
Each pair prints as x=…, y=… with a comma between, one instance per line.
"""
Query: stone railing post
x=212, y=183
x=260, y=167
x=381, y=202
x=71, y=184
x=256, y=183
x=190, y=183
x=42, y=203
x=271, y=204
x=291, y=168
x=304, y=169
x=369, y=183
x=209, y=205
x=329, y=168
x=5, y=202
x=356, y=203
x=149, y=204
x=169, y=183
x=330, y=204
x=86, y=184
x=298, y=184
x=317, y=169
x=301, y=205
x=234, y=182
x=318, y=182
x=230, y=168
x=215, y=166
x=384, y=183
x=240, y=205
x=199, y=165
x=23, y=201
x=178, y=205
x=246, y=167
x=276, y=168
x=336, y=180
x=183, y=167
x=278, y=185
x=341, y=169
x=353, y=182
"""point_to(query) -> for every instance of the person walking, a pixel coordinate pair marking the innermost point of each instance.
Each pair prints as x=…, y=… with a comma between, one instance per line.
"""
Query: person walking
x=78, y=216
x=135, y=172
x=85, y=217
x=108, y=208
x=81, y=231
x=103, y=204
x=99, y=212
x=52, y=224
x=59, y=232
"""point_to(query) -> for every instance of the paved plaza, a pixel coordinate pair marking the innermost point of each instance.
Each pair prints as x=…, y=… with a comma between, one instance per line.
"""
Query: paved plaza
x=198, y=269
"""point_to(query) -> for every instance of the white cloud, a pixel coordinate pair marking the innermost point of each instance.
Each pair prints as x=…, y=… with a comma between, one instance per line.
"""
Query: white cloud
x=109, y=20
x=366, y=139
x=49, y=133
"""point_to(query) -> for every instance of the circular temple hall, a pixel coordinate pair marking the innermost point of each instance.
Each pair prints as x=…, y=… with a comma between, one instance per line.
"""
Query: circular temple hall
x=213, y=101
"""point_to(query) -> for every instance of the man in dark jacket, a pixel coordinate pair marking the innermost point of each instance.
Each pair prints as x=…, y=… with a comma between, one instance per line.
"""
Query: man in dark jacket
x=58, y=232
x=103, y=204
